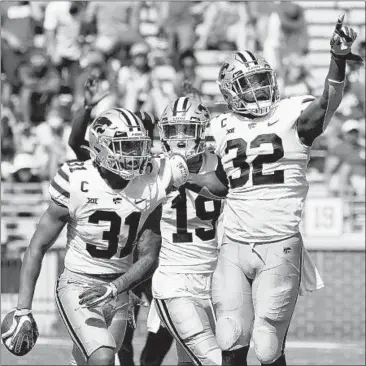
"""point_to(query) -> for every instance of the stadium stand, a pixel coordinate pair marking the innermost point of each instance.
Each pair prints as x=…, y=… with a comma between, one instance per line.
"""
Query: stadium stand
x=320, y=16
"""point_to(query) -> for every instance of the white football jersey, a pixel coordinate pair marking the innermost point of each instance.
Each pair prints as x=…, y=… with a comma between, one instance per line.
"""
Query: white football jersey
x=103, y=223
x=265, y=162
x=188, y=229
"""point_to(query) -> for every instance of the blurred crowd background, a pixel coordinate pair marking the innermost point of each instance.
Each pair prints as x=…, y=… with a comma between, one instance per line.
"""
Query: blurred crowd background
x=144, y=51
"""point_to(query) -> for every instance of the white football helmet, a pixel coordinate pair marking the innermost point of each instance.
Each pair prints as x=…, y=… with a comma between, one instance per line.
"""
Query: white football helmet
x=248, y=84
x=119, y=143
x=182, y=126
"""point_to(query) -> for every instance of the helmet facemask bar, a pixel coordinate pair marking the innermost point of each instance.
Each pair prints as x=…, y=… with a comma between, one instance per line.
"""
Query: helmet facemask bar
x=126, y=157
x=183, y=137
x=255, y=92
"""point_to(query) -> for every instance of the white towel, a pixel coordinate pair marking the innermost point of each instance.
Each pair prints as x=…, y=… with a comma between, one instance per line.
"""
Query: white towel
x=310, y=277
x=153, y=319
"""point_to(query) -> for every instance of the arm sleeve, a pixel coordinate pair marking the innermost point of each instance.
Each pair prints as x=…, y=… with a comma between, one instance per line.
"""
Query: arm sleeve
x=59, y=187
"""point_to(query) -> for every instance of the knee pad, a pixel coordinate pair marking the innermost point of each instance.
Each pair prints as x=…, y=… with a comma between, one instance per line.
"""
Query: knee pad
x=102, y=356
x=204, y=346
x=266, y=345
x=228, y=332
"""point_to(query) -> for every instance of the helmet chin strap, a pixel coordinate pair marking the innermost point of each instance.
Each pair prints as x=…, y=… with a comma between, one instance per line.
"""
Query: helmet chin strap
x=92, y=152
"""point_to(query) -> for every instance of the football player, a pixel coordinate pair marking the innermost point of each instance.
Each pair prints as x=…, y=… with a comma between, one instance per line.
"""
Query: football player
x=181, y=284
x=106, y=202
x=157, y=344
x=264, y=144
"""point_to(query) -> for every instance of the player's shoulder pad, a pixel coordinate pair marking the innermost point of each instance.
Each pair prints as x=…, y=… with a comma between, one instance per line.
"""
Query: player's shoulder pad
x=219, y=117
x=59, y=188
x=78, y=166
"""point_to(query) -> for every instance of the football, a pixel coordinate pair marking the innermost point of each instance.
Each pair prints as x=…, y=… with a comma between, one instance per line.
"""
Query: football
x=179, y=169
x=26, y=327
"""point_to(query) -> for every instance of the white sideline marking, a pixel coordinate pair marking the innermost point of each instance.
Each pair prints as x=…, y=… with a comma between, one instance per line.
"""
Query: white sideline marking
x=290, y=344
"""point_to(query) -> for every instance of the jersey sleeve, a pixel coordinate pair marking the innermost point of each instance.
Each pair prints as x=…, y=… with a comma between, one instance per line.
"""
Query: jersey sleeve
x=59, y=187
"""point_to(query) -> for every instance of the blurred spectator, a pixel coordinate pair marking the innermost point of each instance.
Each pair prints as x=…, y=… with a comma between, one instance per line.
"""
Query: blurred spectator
x=62, y=24
x=227, y=25
x=17, y=31
x=40, y=83
x=297, y=78
x=187, y=72
x=6, y=92
x=134, y=81
x=7, y=135
x=177, y=22
x=287, y=35
x=25, y=138
x=25, y=169
x=261, y=12
x=53, y=149
x=345, y=165
x=4, y=238
x=356, y=78
x=117, y=24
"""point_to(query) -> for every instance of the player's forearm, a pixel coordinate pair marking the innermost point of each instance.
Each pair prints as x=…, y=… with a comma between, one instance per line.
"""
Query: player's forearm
x=333, y=89
x=334, y=84
x=146, y=264
x=45, y=235
x=139, y=272
x=77, y=135
x=315, y=118
x=337, y=69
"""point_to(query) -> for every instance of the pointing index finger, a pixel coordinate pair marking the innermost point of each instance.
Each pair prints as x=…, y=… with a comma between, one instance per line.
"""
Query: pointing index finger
x=340, y=22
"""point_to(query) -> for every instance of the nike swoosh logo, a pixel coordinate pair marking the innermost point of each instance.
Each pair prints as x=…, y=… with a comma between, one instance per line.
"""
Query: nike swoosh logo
x=272, y=123
x=139, y=201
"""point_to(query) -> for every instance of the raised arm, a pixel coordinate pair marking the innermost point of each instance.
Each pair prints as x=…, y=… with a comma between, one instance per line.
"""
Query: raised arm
x=93, y=95
x=315, y=118
x=77, y=135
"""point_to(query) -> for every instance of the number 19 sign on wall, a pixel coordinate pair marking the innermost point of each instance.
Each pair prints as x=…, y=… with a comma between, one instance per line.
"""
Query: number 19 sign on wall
x=324, y=217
